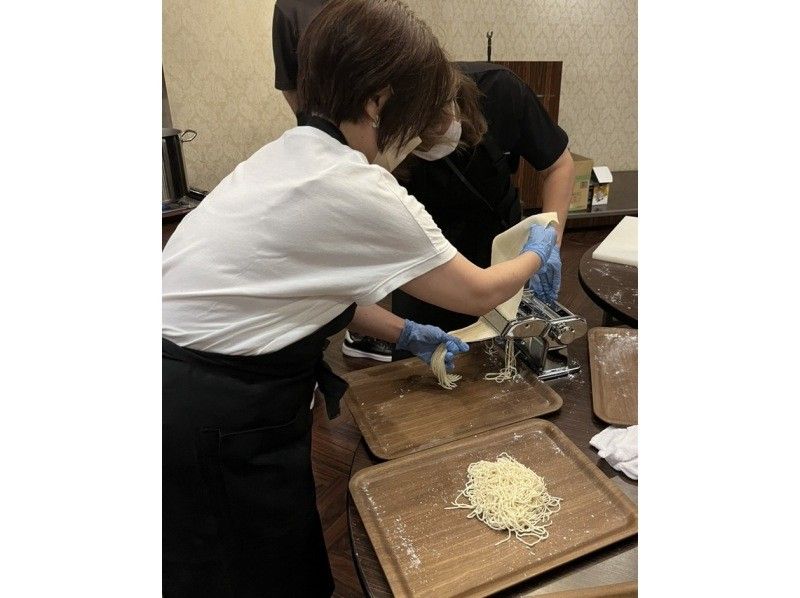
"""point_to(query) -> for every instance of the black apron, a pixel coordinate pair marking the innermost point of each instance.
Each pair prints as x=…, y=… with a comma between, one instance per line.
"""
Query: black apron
x=471, y=198
x=239, y=505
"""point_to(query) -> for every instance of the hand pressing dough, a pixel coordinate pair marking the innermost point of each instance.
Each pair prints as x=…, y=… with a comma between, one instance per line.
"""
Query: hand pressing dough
x=506, y=246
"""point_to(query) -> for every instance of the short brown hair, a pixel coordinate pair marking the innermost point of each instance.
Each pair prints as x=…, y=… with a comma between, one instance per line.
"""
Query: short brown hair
x=353, y=49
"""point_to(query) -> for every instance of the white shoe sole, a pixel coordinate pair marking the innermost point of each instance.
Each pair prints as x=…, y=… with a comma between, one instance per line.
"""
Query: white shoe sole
x=356, y=353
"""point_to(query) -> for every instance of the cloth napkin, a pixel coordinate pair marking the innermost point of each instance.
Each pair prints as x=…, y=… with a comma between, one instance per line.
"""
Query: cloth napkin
x=620, y=447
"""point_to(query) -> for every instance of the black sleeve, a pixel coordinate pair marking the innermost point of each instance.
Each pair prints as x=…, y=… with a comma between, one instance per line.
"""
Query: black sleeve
x=518, y=121
x=541, y=141
x=284, y=50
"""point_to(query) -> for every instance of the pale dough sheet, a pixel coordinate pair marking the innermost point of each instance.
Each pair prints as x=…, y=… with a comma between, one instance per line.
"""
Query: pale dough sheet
x=479, y=331
x=505, y=246
x=621, y=246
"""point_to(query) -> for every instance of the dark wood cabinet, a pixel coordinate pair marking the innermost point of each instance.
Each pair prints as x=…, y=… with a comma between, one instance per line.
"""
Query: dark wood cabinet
x=544, y=78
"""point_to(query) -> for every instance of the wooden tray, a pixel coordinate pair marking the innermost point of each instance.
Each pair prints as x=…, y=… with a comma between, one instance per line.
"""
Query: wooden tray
x=401, y=409
x=614, y=363
x=426, y=550
x=628, y=589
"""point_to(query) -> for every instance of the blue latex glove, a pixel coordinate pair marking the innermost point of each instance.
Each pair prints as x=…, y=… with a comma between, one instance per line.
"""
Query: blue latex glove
x=547, y=281
x=422, y=340
x=541, y=241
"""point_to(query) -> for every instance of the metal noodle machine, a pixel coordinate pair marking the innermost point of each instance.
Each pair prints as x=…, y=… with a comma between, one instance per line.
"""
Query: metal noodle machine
x=541, y=333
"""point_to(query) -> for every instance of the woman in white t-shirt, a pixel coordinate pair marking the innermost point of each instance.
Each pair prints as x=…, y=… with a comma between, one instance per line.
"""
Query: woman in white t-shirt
x=300, y=240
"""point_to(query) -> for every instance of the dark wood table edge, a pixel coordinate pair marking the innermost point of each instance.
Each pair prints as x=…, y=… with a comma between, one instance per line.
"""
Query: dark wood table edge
x=605, y=305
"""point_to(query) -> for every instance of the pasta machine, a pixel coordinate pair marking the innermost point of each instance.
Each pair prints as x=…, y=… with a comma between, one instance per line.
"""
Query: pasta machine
x=541, y=333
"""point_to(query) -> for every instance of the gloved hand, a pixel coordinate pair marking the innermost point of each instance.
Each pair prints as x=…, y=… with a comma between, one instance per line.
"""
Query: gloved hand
x=541, y=241
x=547, y=281
x=422, y=340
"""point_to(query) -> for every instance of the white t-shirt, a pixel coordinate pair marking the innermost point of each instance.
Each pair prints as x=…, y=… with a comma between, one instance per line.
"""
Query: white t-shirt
x=287, y=241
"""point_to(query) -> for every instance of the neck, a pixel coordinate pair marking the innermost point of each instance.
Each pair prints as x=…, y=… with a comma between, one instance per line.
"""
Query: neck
x=360, y=136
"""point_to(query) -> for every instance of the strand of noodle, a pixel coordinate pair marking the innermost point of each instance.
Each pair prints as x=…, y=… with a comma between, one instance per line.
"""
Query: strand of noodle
x=506, y=495
x=446, y=381
x=509, y=371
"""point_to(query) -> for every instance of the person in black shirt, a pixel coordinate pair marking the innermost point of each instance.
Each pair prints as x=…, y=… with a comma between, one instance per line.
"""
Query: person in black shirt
x=469, y=192
x=470, y=214
x=289, y=20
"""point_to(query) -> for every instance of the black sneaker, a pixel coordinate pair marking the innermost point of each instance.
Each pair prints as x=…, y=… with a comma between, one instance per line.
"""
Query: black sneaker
x=355, y=345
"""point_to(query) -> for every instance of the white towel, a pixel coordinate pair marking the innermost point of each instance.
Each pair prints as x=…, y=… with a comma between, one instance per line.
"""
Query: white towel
x=620, y=447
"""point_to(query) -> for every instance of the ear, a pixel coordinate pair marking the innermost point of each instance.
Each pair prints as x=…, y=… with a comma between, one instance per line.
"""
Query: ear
x=375, y=104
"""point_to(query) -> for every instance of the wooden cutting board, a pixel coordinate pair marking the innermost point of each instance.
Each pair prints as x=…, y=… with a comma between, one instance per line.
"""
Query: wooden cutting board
x=428, y=551
x=400, y=408
x=614, y=364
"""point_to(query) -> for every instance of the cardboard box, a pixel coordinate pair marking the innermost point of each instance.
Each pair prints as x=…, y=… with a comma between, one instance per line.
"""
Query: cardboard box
x=580, y=189
x=600, y=186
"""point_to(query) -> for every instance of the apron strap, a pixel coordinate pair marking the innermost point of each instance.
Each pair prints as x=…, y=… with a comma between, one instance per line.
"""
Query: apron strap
x=309, y=350
x=332, y=387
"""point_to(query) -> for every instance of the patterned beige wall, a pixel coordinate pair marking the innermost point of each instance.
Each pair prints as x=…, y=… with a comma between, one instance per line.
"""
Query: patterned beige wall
x=217, y=57
x=218, y=66
x=595, y=39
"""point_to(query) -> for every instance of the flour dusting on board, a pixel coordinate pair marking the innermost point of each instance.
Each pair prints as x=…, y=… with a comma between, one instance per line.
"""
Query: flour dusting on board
x=375, y=507
x=602, y=269
x=406, y=546
x=617, y=359
x=616, y=348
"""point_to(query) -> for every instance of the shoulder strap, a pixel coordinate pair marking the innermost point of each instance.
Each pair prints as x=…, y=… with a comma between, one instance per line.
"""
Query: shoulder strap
x=467, y=184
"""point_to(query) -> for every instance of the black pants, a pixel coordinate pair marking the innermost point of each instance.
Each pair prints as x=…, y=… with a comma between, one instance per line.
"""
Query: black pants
x=239, y=504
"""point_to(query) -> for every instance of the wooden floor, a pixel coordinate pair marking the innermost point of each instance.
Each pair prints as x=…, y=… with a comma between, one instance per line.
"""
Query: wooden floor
x=335, y=441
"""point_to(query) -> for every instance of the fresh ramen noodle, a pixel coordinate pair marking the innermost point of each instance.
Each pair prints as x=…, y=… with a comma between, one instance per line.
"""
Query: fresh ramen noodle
x=448, y=381
x=506, y=495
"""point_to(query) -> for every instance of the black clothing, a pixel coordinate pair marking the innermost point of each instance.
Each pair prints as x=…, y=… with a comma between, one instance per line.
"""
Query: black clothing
x=289, y=20
x=239, y=504
x=517, y=120
x=518, y=126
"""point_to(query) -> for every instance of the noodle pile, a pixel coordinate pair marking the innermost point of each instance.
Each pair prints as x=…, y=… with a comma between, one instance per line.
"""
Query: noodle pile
x=506, y=495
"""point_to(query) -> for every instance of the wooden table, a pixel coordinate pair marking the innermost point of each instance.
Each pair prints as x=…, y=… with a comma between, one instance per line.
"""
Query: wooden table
x=614, y=564
x=614, y=287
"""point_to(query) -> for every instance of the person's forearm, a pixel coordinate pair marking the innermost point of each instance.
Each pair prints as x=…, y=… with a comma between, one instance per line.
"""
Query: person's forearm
x=374, y=321
x=506, y=278
x=557, y=190
x=291, y=98
x=461, y=286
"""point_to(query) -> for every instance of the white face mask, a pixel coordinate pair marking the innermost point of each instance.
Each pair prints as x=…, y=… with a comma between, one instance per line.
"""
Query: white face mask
x=390, y=158
x=445, y=147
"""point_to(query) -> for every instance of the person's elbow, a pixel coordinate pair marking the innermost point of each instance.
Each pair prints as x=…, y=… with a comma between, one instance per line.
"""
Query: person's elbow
x=483, y=300
x=563, y=167
x=477, y=307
